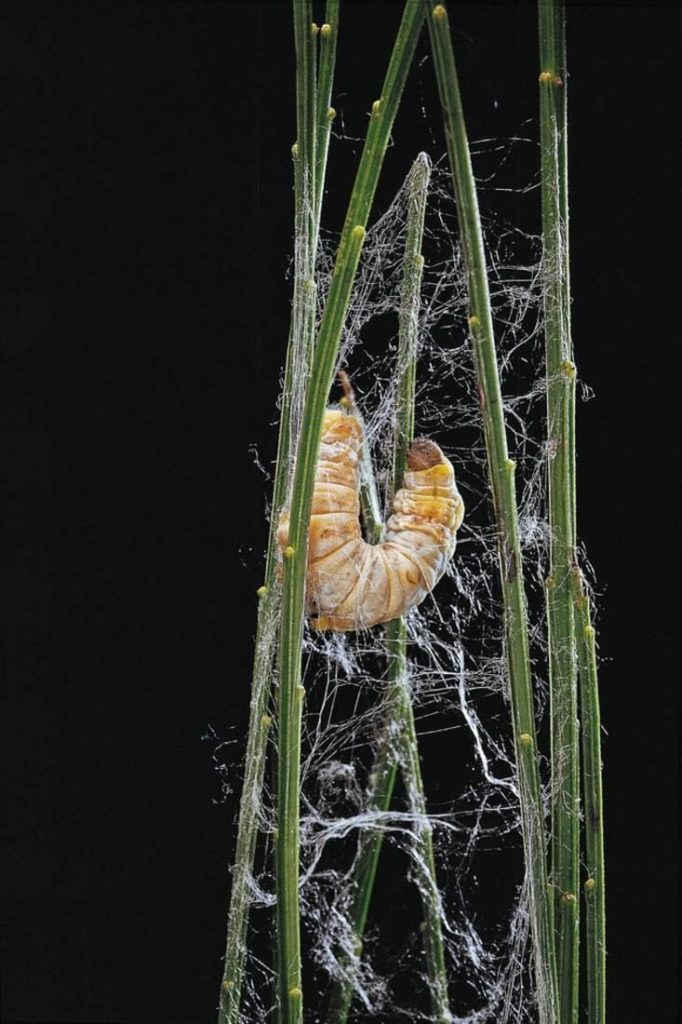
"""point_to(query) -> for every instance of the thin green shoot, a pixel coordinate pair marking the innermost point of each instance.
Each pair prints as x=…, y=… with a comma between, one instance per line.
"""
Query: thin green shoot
x=295, y=555
x=501, y=472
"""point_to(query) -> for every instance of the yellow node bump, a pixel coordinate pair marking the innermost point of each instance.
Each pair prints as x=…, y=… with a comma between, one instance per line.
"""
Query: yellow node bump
x=295, y=993
x=301, y=691
x=589, y=633
x=525, y=739
x=289, y=552
x=545, y=77
x=511, y=465
x=376, y=108
x=358, y=232
x=228, y=985
x=474, y=322
x=439, y=12
x=326, y=31
x=266, y=721
x=331, y=113
x=314, y=29
x=567, y=898
x=590, y=885
x=568, y=368
x=345, y=402
x=294, y=151
x=262, y=591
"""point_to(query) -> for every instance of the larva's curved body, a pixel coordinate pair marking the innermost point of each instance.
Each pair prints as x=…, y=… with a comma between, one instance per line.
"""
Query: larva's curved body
x=352, y=584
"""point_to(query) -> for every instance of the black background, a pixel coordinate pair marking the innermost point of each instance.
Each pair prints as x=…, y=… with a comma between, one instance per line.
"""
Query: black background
x=147, y=213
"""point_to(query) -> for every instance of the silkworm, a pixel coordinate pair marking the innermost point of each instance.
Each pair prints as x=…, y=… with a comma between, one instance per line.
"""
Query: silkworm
x=350, y=584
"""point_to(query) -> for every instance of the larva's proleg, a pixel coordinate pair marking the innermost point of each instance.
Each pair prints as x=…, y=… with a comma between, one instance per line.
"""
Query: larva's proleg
x=352, y=584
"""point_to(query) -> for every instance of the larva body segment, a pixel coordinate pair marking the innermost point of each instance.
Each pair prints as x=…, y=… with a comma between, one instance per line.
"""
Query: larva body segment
x=351, y=584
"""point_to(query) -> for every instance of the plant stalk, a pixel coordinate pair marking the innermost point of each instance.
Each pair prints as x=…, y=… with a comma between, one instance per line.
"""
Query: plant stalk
x=560, y=373
x=295, y=555
x=325, y=113
x=304, y=311
x=396, y=632
x=306, y=185
x=501, y=471
x=398, y=744
x=298, y=349
x=424, y=859
x=370, y=503
x=594, y=892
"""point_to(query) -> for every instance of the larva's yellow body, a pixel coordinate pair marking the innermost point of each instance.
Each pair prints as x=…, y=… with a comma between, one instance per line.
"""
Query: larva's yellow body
x=352, y=584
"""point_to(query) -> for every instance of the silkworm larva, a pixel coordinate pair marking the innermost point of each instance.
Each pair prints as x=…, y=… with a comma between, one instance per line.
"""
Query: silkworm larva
x=352, y=584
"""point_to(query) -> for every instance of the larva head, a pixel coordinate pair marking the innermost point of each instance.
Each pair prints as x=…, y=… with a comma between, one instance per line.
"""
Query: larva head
x=423, y=454
x=431, y=475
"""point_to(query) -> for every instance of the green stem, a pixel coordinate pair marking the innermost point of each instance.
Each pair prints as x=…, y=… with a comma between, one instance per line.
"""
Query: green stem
x=325, y=112
x=259, y=722
x=304, y=311
x=380, y=790
x=501, y=470
x=396, y=633
x=399, y=738
x=259, y=719
x=300, y=341
x=370, y=504
x=424, y=862
x=249, y=808
x=562, y=125
x=305, y=182
x=408, y=318
x=595, y=909
x=293, y=599
x=560, y=373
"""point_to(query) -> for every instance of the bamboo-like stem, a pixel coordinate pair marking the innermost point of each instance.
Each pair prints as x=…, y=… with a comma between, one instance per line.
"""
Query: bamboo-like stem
x=295, y=560
x=424, y=859
x=249, y=809
x=396, y=633
x=370, y=503
x=594, y=890
x=306, y=234
x=325, y=113
x=399, y=738
x=300, y=338
x=562, y=125
x=560, y=373
x=259, y=719
x=306, y=185
x=380, y=790
x=501, y=471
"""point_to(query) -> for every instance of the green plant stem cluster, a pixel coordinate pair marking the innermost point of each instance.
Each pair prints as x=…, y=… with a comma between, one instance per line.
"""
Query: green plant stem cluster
x=571, y=636
x=501, y=471
x=560, y=372
x=398, y=746
x=295, y=556
x=554, y=918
